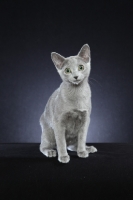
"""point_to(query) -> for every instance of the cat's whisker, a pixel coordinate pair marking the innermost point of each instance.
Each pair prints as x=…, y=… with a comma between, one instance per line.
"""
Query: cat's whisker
x=90, y=82
x=96, y=82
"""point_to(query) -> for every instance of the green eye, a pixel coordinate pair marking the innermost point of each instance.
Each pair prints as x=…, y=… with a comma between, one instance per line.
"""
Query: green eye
x=81, y=67
x=67, y=70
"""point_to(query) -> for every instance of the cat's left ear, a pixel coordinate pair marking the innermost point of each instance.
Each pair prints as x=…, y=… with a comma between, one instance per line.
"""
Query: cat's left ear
x=84, y=53
x=57, y=59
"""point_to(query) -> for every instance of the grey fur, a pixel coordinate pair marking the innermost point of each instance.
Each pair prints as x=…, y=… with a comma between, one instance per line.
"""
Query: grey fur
x=66, y=117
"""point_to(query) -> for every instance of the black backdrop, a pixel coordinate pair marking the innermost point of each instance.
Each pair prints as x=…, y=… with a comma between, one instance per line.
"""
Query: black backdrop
x=31, y=30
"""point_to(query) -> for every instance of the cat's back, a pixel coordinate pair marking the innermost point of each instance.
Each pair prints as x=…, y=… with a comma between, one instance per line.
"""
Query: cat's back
x=48, y=111
x=46, y=115
x=52, y=98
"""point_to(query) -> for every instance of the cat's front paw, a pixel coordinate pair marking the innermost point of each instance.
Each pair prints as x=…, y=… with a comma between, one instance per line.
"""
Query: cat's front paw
x=64, y=159
x=83, y=154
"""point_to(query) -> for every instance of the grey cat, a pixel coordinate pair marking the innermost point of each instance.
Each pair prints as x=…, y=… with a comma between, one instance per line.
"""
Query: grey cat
x=66, y=117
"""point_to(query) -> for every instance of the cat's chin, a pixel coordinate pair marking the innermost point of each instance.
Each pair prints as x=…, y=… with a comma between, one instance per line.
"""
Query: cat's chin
x=76, y=82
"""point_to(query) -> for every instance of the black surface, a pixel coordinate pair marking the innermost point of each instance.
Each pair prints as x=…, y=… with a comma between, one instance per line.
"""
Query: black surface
x=31, y=30
x=26, y=174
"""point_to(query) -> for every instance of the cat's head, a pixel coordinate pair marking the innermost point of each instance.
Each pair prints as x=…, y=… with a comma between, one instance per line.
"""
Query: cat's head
x=73, y=69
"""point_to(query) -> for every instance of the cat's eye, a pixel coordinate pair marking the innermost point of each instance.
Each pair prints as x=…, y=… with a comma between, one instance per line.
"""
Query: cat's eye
x=81, y=67
x=67, y=70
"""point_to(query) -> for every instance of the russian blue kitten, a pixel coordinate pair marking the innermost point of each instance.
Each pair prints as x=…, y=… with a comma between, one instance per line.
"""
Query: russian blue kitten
x=66, y=117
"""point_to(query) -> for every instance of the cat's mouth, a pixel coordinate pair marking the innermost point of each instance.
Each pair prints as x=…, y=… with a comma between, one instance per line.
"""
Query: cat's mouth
x=76, y=82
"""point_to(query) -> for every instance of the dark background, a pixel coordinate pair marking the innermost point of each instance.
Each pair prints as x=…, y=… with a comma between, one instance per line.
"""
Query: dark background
x=31, y=30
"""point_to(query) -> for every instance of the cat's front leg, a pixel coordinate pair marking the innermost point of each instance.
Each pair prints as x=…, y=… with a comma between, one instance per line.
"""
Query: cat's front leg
x=81, y=148
x=61, y=143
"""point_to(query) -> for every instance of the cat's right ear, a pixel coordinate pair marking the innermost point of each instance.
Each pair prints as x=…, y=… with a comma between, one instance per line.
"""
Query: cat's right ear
x=57, y=59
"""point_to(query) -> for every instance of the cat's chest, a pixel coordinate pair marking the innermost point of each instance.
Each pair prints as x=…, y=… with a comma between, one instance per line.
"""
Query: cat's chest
x=79, y=103
x=73, y=120
x=79, y=100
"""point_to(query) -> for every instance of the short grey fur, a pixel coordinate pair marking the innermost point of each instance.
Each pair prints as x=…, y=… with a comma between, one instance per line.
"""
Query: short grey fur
x=66, y=117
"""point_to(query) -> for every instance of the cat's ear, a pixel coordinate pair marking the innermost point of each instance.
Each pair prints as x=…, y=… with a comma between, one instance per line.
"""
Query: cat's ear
x=84, y=53
x=57, y=59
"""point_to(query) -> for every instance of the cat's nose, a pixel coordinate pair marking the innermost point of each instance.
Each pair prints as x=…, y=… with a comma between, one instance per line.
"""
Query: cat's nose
x=76, y=77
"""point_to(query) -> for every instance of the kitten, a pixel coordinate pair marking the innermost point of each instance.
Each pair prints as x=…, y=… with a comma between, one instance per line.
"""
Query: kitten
x=66, y=117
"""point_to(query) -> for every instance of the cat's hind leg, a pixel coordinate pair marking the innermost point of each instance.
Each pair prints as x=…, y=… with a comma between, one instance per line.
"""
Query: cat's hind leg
x=91, y=149
x=48, y=144
x=48, y=149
